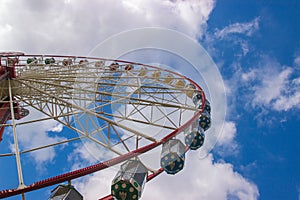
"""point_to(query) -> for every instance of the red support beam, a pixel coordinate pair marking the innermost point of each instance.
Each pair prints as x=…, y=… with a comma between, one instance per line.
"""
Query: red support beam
x=4, y=116
x=8, y=71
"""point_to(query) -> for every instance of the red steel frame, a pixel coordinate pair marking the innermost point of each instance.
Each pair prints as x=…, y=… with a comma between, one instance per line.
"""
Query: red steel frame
x=8, y=72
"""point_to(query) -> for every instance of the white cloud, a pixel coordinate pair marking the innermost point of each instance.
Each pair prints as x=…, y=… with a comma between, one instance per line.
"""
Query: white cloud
x=58, y=128
x=203, y=179
x=277, y=89
x=35, y=135
x=228, y=133
x=87, y=153
x=272, y=85
x=269, y=85
x=249, y=76
x=5, y=29
x=234, y=34
x=207, y=180
x=226, y=143
x=78, y=26
x=96, y=185
x=289, y=101
x=247, y=28
x=297, y=61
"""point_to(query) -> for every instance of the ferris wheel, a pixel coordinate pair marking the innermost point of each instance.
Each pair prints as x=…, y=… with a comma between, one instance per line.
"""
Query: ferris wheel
x=125, y=109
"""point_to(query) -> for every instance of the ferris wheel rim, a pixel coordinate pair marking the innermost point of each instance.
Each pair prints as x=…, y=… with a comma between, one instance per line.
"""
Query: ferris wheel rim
x=111, y=162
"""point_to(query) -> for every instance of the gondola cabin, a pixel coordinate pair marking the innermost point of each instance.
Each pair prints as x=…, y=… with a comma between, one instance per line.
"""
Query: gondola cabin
x=65, y=192
x=204, y=119
x=179, y=83
x=99, y=64
x=168, y=79
x=114, y=67
x=156, y=75
x=190, y=90
x=83, y=62
x=207, y=106
x=172, y=156
x=143, y=71
x=49, y=61
x=197, y=99
x=129, y=181
x=128, y=67
x=194, y=139
x=31, y=60
x=67, y=62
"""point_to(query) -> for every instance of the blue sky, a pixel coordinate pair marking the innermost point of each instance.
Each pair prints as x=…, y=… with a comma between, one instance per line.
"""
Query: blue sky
x=267, y=132
x=256, y=47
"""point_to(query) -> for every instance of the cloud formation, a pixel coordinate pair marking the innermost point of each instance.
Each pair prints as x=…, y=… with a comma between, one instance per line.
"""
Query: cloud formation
x=200, y=179
x=206, y=180
x=75, y=27
x=247, y=29
x=297, y=61
x=276, y=87
x=36, y=135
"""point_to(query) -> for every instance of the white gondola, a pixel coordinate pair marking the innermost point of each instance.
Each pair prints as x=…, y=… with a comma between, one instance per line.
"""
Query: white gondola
x=190, y=88
x=156, y=74
x=180, y=83
x=168, y=79
x=64, y=192
x=143, y=71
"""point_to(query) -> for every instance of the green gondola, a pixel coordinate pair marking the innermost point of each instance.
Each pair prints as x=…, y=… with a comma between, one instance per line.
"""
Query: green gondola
x=129, y=182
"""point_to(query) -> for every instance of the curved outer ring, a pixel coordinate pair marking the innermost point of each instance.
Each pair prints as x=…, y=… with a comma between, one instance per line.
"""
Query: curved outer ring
x=103, y=165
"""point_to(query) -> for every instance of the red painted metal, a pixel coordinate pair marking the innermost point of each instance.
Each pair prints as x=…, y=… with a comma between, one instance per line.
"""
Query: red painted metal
x=108, y=197
x=11, y=54
x=8, y=71
x=4, y=116
x=153, y=175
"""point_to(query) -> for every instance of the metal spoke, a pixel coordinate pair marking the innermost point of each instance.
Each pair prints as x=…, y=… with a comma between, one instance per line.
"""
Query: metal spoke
x=16, y=145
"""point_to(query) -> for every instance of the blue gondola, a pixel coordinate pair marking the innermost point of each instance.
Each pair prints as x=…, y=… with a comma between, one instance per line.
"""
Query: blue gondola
x=197, y=99
x=207, y=106
x=172, y=156
x=194, y=139
x=204, y=120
